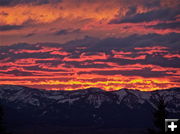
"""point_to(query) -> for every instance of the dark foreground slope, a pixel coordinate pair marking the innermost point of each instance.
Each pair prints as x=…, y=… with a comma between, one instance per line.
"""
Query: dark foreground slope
x=90, y=111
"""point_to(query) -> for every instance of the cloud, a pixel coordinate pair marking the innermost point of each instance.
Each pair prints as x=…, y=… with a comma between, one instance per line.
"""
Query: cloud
x=142, y=73
x=127, y=55
x=48, y=11
x=89, y=57
x=10, y=27
x=167, y=14
x=62, y=32
x=34, y=2
x=75, y=46
x=41, y=50
x=67, y=31
x=74, y=19
x=147, y=62
x=137, y=41
x=173, y=25
x=29, y=35
x=170, y=56
x=5, y=2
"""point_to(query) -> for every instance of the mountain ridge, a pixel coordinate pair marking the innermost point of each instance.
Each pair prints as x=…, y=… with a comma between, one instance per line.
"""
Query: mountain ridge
x=95, y=96
x=84, y=108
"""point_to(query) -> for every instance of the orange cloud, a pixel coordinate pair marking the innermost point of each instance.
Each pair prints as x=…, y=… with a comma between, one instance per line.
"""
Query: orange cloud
x=92, y=18
x=121, y=82
x=41, y=50
x=170, y=56
x=47, y=13
x=71, y=9
x=123, y=55
x=120, y=52
x=96, y=69
x=152, y=50
x=141, y=57
x=60, y=53
x=84, y=57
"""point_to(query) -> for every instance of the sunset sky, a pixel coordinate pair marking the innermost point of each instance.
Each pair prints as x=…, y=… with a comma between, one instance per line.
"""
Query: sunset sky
x=77, y=44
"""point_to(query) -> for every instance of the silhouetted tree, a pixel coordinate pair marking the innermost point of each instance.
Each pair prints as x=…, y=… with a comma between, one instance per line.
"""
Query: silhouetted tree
x=159, y=115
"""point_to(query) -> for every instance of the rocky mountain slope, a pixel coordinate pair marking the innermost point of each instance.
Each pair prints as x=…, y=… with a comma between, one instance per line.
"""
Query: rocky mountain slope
x=90, y=107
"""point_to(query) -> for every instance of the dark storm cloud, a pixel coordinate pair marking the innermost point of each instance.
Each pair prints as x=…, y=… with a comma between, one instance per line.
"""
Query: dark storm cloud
x=130, y=42
x=62, y=32
x=29, y=35
x=16, y=2
x=106, y=45
x=76, y=59
x=175, y=25
x=132, y=10
x=143, y=72
x=151, y=3
x=36, y=68
x=67, y=31
x=160, y=14
x=10, y=27
x=5, y=2
x=20, y=73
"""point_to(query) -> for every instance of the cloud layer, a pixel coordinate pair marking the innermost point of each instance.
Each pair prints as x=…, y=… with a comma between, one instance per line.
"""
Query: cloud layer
x=63, y=21
x=72, y=44
x=78, y=65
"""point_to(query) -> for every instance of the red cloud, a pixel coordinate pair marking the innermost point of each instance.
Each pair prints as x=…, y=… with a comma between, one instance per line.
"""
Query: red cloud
x=60, y=53
x=85, y=57
x=96, y=70
x=151, y=50
x=170, y=56
x=41, y=50
x=141, y=57
x=127, y=55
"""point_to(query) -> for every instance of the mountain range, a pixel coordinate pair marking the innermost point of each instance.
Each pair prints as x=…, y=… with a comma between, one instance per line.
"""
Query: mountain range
x=27, y=107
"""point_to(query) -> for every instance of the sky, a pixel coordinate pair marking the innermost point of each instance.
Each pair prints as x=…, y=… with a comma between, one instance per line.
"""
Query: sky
x=77, y=44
